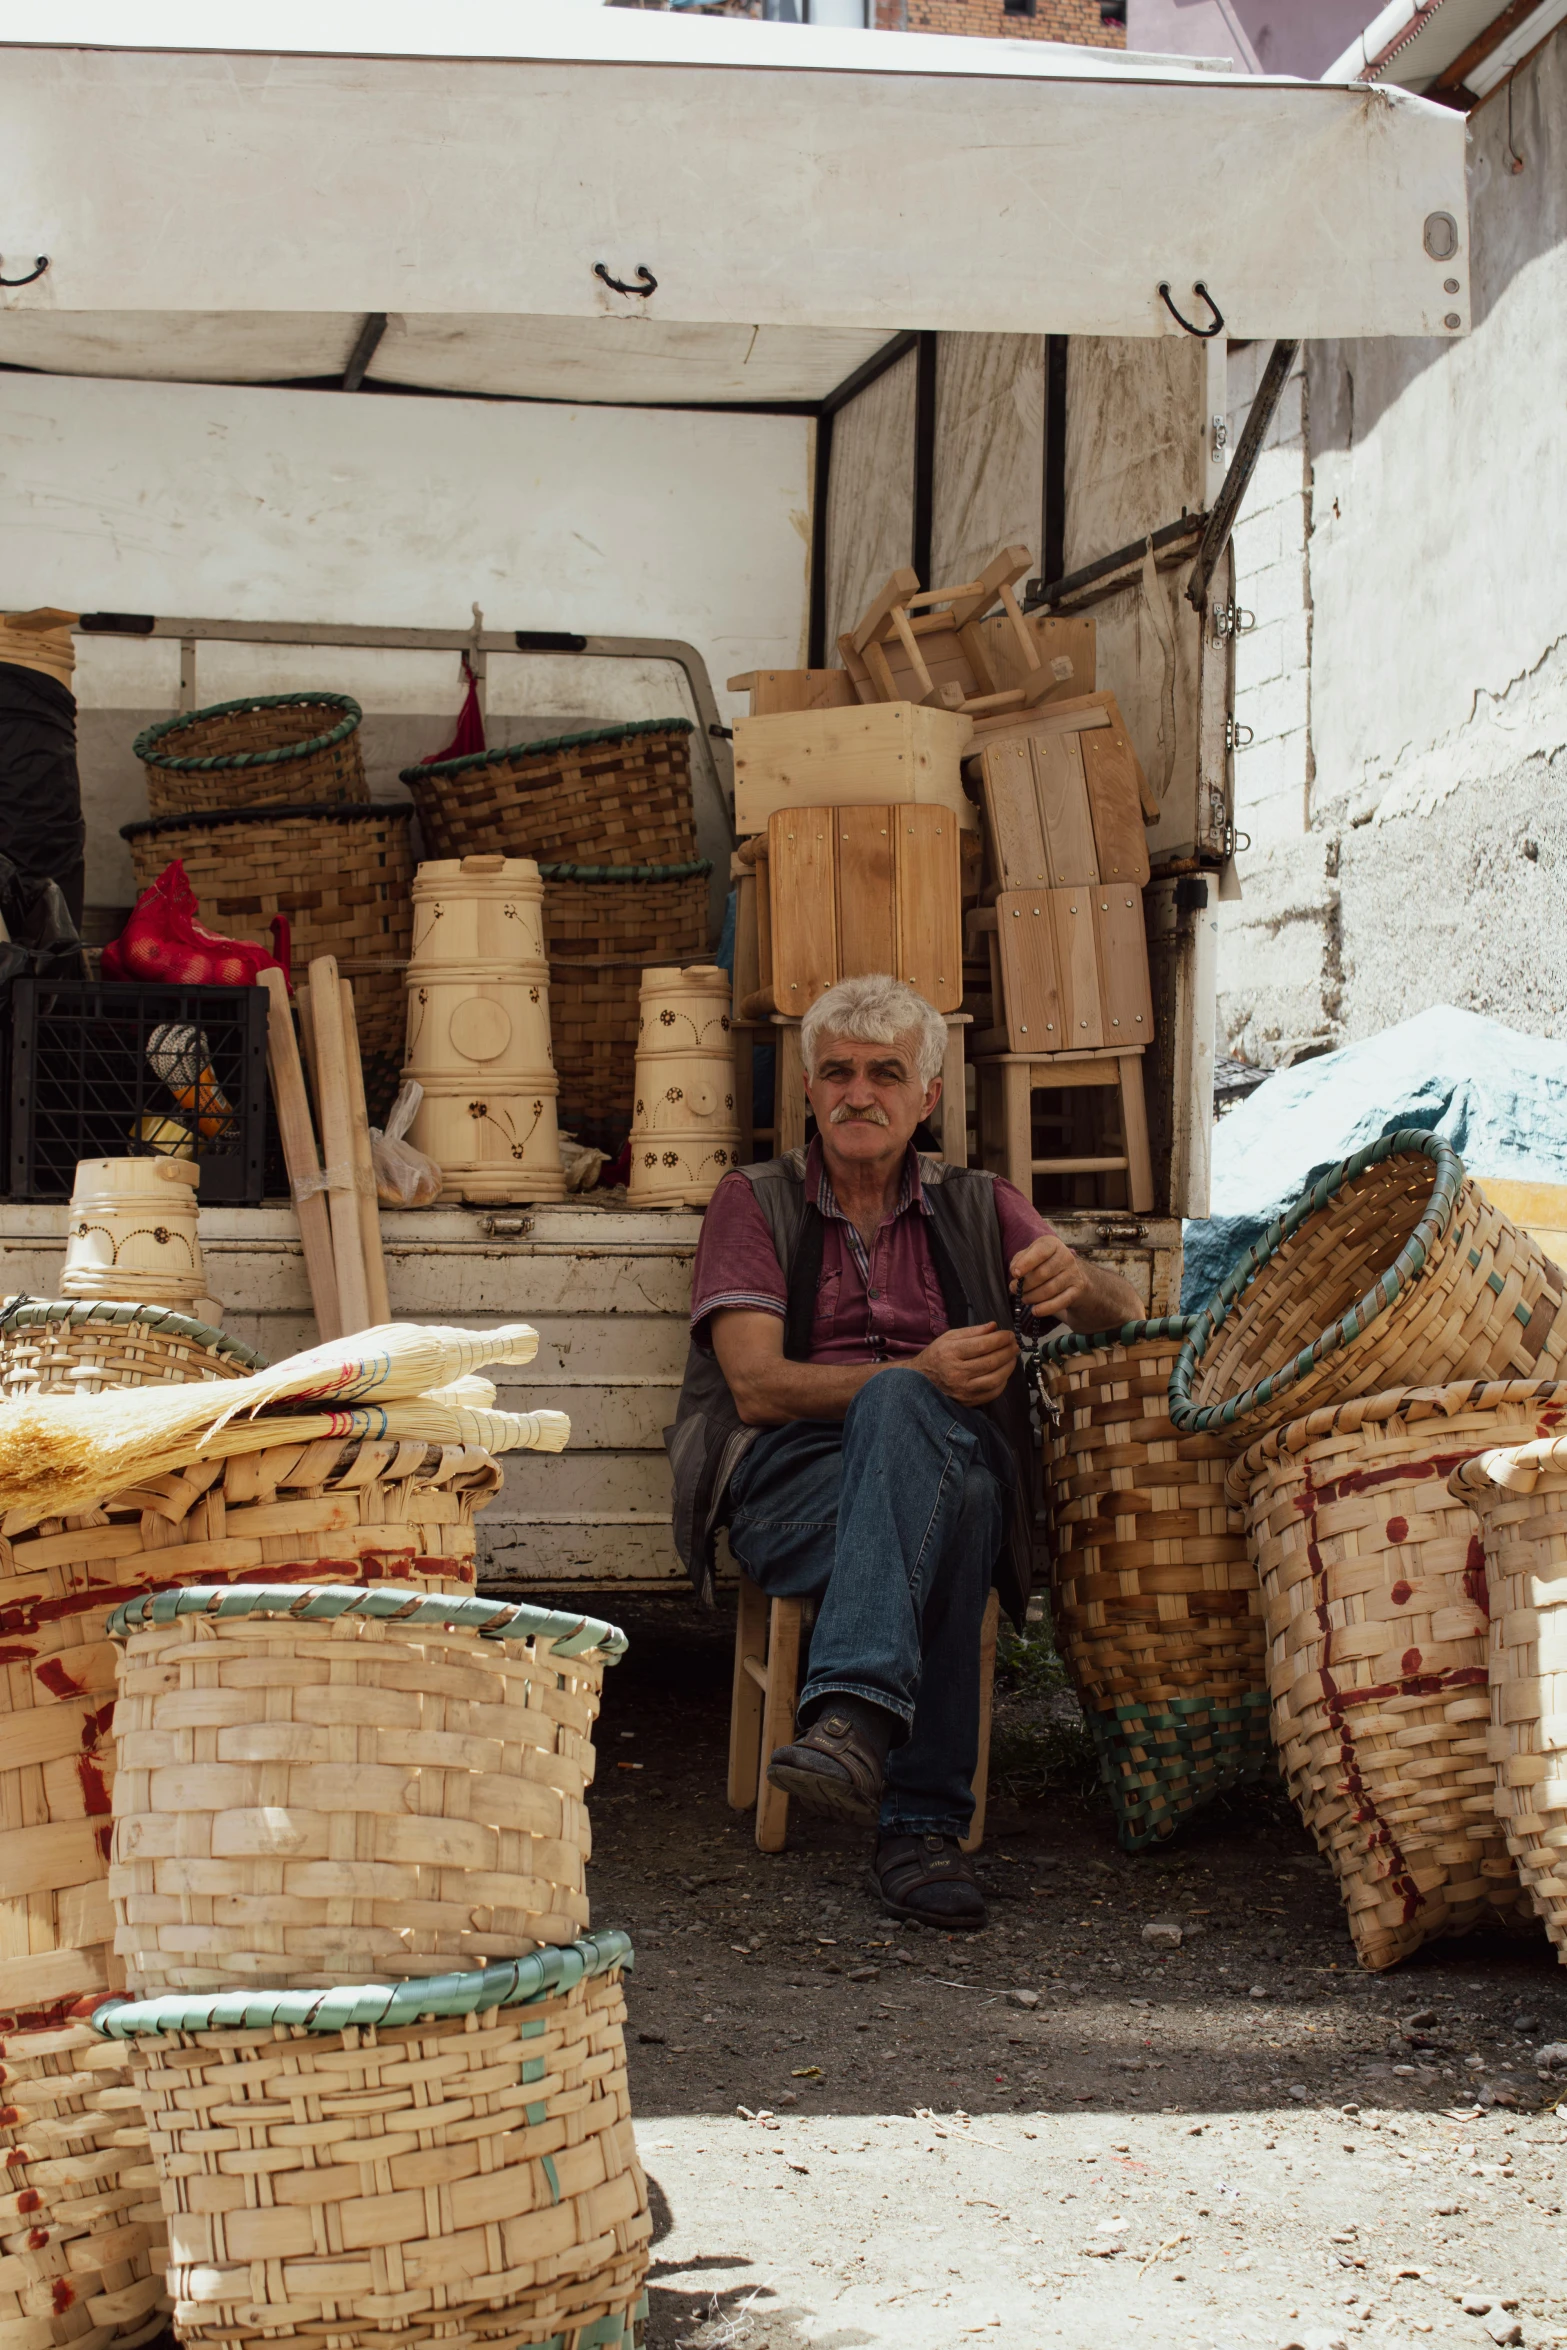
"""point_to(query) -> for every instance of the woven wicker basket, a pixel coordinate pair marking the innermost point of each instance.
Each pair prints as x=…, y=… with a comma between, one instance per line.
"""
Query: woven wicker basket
x=85, y=2265
x=324, y=1512
x=428, y=1763
x=1520, y=1498
x=268, y=752
x=69, y=1346
x=1373, y=1579
x=620, y=795
x=1156, y=1606
x=341, y=875
x=1392, y=1272
x=602, y=926
x=450, y=2164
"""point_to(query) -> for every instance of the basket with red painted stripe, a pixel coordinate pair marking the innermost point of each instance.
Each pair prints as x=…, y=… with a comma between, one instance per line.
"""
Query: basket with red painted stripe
x=1376, y=1617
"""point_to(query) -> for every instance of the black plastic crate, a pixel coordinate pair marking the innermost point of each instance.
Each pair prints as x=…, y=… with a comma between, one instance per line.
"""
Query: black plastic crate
x=80, y=1083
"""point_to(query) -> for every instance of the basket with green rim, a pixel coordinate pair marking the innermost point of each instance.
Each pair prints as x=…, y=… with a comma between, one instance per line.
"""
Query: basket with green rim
x=611, y=795
x=79, y=1346
x=260, y=752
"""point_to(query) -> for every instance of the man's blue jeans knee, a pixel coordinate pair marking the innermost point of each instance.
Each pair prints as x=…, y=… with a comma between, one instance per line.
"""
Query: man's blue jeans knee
x=894, y=1522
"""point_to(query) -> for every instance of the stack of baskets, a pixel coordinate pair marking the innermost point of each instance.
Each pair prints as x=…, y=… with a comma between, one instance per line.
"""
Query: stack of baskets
x=610, y=818
x=264, y=802
x=1391, y=1326
x=383, y=2059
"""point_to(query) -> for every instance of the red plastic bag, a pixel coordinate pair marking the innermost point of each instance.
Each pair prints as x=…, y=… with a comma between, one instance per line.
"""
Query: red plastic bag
x=164, y=941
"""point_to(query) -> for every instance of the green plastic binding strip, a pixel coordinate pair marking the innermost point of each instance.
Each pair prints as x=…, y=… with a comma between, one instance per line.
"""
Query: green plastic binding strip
x=34, y=1313
x=553, y=742
x=1406, y=1267
x=492, y=1619
x=1071, y=1342
x=542, y=1975
x=690, y=871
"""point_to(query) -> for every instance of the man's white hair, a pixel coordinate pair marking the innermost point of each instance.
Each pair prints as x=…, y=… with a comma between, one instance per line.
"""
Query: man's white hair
x=876, y=1009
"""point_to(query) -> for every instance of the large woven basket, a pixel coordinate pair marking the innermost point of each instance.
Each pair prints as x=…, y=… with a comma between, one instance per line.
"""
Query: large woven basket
x=619, y=795
x=1157, y=1612
x=379, y=1513
x=1391, y=1272
x=1373, y=1579
x=84, y=2263
x=1520, y=1498
x=269, y=751
x=602, y=926
x=428, y=1762
x=450, y=2163
x=342, y=876
x=71, y=1346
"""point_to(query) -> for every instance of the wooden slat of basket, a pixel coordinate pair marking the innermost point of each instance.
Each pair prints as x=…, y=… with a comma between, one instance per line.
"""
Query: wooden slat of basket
x=1373, y=1577
x=432, y=1782
x=601, y=936
x=91, y=2242
x=1524, y=1527
x=1157, y=1611
x=322, y=1513
x=476, y=2179
x=1474, y=1300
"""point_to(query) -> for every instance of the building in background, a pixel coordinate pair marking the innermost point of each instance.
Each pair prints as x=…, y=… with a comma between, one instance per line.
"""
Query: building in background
x=1099, y=24
x=1261, y=36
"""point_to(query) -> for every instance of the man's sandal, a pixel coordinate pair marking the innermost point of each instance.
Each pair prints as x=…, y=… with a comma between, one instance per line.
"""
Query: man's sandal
x=930, y=1880
x=833, y=1766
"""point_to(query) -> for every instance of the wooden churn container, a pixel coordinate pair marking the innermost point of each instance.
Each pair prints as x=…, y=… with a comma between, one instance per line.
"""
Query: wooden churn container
x=685, y=1133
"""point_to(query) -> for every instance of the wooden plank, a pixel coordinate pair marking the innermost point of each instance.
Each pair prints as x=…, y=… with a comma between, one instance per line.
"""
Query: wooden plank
x=896, y=590
x=586, y=1487
x=364, y=1165
x=1123, y=963
x=337, y=1148
x=745, y=1699
x=1017, y=833
x=802, y=894
x=1115, y=795
x=867, y=936
x=785, y=1620
x=1072, y=918
x=875, y=753
x=1062, y=794
x=1030, y=973
x=928, y=921
x=773, y=691
x=531, y=1559
x=299, y=1155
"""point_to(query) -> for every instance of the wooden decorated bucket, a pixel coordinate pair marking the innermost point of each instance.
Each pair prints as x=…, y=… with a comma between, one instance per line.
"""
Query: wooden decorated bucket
x=479, y=1030
x=131, y=1232
x=467, y=2141
x=1157, y=1613
x=1519, y=1495
x=320, y=1785
x=685, y=1133
x=1391, y=1273
x=385, y=1514
x=1374, y=1585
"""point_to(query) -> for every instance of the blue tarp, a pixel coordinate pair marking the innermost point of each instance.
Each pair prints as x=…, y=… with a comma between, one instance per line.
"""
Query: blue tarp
x=1498, y=1097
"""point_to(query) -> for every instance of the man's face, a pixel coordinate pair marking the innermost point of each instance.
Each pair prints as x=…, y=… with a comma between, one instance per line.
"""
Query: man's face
x=868, y=1099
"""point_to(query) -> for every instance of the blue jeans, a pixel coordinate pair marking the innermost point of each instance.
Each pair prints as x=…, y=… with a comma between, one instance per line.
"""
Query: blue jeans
x=894, y=1522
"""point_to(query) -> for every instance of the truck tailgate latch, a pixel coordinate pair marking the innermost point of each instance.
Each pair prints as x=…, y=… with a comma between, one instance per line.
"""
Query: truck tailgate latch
x=1204, y=334
x=647, y=282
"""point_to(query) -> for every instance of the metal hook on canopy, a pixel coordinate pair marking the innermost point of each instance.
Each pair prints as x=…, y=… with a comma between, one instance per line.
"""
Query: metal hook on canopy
x=1204, y=334
x=648, y=285
x=36, y=271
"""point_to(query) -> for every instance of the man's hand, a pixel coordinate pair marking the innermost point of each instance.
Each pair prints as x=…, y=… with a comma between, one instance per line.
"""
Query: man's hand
x=971, y=1365
x=1058, y=1285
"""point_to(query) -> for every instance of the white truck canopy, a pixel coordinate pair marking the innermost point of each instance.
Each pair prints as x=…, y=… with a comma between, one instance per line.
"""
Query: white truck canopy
x=778, y=199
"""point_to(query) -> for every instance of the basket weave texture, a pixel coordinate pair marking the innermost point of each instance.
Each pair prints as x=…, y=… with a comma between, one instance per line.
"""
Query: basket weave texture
x=468, y=2180
x=72, y=1346
x=324, y=1512
x=84, y=2268
x=601, y=932
x=264, y=752
x=311, y=1791
x=1520, y=1498
x=619, y=795
x=1157, y=1611
x=1391, y=1272
x=341, y=875
x=1374, y=1583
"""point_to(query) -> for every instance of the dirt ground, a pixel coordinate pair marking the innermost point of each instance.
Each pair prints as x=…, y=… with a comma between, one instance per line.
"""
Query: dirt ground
x=858, y=2135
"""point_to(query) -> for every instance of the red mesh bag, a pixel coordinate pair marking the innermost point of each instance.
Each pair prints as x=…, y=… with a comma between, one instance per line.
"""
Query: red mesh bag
x=164, y=941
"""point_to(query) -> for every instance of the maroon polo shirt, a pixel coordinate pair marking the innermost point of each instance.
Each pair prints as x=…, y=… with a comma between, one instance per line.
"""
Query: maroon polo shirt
x=873, y=1305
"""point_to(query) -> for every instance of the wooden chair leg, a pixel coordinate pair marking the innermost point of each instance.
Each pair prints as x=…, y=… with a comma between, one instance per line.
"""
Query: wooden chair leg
x=781, y=1689
x=747, y=1696
x=788, y=1091
x=987, y=1699
x=1018, y=1097
x=1134, y=1131
x=952, y=1109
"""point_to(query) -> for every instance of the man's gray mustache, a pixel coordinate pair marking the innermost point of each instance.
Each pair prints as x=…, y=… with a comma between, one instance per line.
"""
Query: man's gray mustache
x=846, y=1115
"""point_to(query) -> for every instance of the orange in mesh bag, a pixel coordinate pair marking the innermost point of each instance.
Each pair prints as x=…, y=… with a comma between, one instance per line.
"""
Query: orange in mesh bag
x=164, y=941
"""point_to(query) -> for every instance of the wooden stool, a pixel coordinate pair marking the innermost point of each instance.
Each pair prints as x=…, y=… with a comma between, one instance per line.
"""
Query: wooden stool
x=1007, y=1085
x=766, y=1687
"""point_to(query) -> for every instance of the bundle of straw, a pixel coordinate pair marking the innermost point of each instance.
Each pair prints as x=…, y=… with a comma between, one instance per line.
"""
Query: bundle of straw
x=59, y=1453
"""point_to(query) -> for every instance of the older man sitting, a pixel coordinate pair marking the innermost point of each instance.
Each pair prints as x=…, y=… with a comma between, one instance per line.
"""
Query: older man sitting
x=854, y=1406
